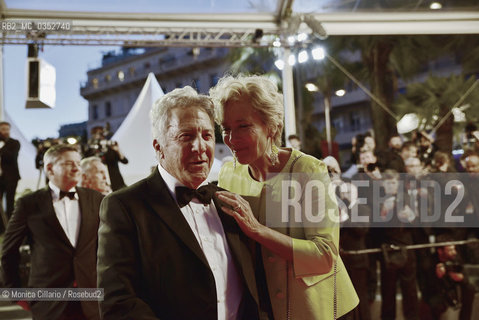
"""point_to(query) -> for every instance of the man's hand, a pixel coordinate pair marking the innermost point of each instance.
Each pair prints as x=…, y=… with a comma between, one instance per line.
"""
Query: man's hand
x=456, y=276
x=440, y=270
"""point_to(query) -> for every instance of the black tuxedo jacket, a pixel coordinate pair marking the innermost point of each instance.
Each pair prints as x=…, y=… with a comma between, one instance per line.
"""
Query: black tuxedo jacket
x=150, y=263
x=9, y=160
x=55, y=263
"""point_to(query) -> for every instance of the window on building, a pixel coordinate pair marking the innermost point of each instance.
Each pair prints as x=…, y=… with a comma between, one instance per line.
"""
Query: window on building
x=338, y=124
x=95, y=83
x=214, y=79
x=121, y=75
x=108, y=109
x=107, y=78
x=131, y=70
x=196, y=84
x=94, y=112
x=355, y=121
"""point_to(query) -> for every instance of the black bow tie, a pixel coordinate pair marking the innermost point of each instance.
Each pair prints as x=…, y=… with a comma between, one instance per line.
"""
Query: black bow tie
x=204, y=194
x=70, y=194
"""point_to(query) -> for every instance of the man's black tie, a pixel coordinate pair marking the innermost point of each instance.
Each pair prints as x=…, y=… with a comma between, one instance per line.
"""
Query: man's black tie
x=204, y=194
x=70, y=194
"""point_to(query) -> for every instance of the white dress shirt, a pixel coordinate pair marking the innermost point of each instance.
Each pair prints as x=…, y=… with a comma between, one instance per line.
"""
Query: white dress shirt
x=208, y=230
x=68, y=213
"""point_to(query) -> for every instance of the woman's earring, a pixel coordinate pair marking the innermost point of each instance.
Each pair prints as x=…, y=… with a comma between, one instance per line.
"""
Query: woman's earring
x=234, y=160
x=274, y=154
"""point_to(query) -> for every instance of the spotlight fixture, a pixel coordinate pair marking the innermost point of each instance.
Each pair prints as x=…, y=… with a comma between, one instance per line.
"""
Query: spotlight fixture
x=303, y=56
x=279, y=64
x=316, y=26
x=435, y=6
x=72, y=140
x=291, y=40
x=318, y=53
x=311, y=87
x=302, y=37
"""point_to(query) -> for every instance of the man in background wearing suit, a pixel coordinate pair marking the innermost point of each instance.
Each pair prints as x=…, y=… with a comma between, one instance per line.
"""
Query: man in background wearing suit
x=60, y=223
x=9, y=174
x=166, y=250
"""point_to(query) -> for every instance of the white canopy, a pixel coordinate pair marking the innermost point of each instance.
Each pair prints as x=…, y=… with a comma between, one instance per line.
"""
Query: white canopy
x=134, y=134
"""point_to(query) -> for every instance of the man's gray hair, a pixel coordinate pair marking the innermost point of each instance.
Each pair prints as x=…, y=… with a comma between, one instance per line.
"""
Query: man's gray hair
x=186, y=97
x=86, y=163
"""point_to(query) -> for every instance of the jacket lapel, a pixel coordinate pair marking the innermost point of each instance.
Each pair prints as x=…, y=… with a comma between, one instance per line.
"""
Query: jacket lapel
x=167, y=209
x=88, y=221
x=237, y=247
x=46, y=210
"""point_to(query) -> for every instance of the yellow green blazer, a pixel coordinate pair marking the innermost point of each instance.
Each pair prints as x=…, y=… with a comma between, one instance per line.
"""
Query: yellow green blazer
x=315, y=246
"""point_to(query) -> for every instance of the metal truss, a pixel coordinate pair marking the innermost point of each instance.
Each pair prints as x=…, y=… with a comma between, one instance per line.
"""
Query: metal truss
x=219, y=30
x=143, y=37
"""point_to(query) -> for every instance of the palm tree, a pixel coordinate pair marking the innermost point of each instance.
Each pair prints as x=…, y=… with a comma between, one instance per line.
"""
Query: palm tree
x=433, y=99
x=385, y=60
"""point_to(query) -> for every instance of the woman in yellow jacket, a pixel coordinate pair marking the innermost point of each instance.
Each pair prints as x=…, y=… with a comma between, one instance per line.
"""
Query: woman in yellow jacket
x=280, y=198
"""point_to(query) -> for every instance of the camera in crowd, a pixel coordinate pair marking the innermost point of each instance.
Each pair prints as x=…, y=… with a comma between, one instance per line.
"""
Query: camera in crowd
x=99, y=147
x=453, y=266
x=100, y=142
x=42, y=146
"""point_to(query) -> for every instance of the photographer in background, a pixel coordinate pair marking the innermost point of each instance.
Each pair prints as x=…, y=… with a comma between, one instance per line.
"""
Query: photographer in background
x=9, y=174
x=110, y=154
x=448, y=286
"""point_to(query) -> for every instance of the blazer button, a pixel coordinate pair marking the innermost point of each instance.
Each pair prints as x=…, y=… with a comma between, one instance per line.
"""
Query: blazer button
x=280, y=295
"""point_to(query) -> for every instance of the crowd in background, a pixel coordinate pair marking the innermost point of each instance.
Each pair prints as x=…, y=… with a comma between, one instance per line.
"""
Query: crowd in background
x=432, y=281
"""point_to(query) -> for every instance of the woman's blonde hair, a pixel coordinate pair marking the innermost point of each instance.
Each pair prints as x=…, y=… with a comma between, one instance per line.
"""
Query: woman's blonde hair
x=261, y=92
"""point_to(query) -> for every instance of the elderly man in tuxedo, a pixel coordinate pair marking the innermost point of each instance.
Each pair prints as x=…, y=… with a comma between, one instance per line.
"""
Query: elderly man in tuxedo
x=166, y=249
x=60, y=223
x=95, y=175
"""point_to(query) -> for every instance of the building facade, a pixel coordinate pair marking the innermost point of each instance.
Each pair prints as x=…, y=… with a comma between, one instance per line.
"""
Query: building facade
x=112, y=89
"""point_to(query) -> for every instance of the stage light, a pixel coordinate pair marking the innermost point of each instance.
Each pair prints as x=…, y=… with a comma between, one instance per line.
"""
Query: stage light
x=340, y=92
x=277, y=43
x=311, y=87
x=71, y=140
x=303, y=56
x=302, y=37
x=318, y=53
x=435, y=6
x=291, y=40
x=408, y=123
x=279, y=64
x=41, y=77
